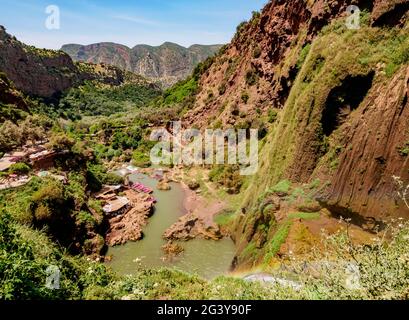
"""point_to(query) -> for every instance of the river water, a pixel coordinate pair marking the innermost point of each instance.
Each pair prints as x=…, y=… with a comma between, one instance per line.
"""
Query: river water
x=206, y=258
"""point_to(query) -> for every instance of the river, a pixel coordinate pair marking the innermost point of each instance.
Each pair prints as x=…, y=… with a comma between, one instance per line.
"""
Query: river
x=205, y=258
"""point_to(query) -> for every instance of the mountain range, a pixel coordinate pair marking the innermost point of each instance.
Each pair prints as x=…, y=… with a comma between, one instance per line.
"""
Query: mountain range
x=166, y=64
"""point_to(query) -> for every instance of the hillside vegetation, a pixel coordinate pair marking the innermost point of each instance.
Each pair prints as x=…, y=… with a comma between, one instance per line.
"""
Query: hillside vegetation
x=326, y=214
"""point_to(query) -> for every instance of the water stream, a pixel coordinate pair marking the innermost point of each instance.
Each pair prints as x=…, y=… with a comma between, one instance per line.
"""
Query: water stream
x=204, y=257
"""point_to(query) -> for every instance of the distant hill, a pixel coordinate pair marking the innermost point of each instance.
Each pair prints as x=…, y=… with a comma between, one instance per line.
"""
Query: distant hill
x=167, y=63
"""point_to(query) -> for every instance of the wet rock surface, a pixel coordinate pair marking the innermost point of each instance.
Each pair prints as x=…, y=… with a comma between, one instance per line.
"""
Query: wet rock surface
x=190, y=227
x=128, y=226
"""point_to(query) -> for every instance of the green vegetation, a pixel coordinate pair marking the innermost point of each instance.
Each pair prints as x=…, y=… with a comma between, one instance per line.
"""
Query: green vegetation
x=404, y=151
x=228, y=177
x=31, y=128
x=279, y=238
x=19, y=168
x=303, y=55
x=92, y=99
x=10, y=112
x=257, y=52
x=25, y=256
x=304, y=215
x=272, y=116
x=245, y=97
x=225, y=218
x=251, y=77
x=97, y=176
x=180, y=91
x=282, y=187
x=44, y=53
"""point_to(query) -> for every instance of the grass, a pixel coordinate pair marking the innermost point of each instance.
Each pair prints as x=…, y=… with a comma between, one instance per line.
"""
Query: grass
x=179, y=92
x=304, y=215
x=279, y=238
x=282, y=187
x=404, y=151
x=225, y=218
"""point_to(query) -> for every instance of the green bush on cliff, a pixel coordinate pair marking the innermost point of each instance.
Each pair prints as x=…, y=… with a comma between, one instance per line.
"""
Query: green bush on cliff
x=19, y=168
x=280, y=236
x=97, y=176
x=92, y=99
x=179, y=92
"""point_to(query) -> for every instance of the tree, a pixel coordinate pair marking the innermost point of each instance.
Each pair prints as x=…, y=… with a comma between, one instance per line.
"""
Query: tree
x=60, y=142
x=10, y=135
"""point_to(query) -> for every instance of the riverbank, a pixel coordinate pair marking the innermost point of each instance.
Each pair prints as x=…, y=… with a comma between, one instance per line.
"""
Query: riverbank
x=205, y=257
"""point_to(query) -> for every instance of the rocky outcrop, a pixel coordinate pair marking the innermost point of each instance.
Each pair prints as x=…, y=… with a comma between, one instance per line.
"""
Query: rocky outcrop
x=336, y=100
x=166, y=64
x=392, y=13
x=363, y=181
x=172, y=250
x=190, y=227
x=48, y=73
x=259, y=64
x=9, y=95
x=163, y=185
x=35, y=71
x=128, y=226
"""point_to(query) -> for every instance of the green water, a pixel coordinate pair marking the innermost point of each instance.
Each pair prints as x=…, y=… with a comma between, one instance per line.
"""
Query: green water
x=203, y=257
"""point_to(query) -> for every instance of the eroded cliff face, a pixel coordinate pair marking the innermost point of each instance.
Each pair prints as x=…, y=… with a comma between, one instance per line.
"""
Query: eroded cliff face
x=371, y=145
x=336, y=100
x=9, y=95
x=36, y=72
x=167, y=63
x=47, y=73
x=256, y=71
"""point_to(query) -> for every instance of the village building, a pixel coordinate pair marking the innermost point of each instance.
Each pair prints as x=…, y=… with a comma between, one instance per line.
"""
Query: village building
x=114, y=205
x=117, y=206
x=43, y=159
x=5, y=164
x=23, y=155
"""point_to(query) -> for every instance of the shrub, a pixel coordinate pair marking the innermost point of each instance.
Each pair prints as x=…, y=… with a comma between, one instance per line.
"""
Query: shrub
x=245, y=97
x=19, y=168
x=303, y=55
x=97, y=176
x=304, y=215
x=257, y=52
x=60, y=142
x=251, y=77
x=283, y=187
x=180, y=91
x=141, y=159
x=272, y=116
x=222, y=88
x=280, y=236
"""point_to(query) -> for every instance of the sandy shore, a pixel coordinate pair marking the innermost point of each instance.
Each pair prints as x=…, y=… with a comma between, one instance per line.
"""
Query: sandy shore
x=201, y=207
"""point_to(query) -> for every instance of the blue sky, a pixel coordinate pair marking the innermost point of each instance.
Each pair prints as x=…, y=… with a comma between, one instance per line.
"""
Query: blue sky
x=128, y=22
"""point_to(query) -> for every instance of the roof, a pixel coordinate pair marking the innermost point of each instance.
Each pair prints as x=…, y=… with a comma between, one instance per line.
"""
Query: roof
x=4, y=165
x=41, y=154
x=19, y=154
x=116, y=205
x=108, y=189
